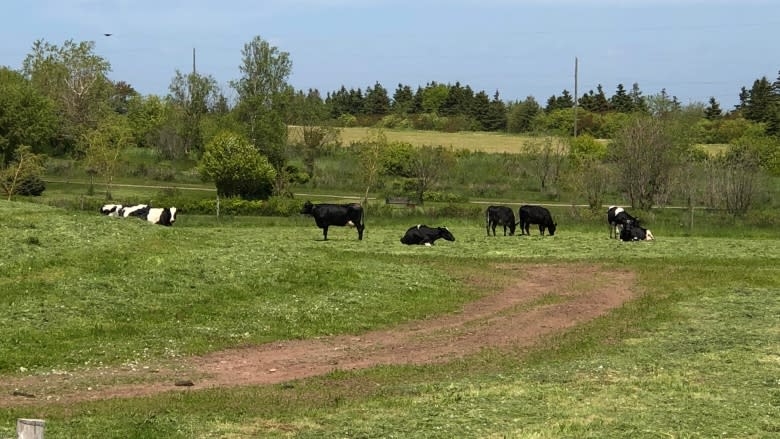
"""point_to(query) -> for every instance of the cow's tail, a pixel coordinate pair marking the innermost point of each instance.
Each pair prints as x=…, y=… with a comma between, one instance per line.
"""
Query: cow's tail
x=487, y=221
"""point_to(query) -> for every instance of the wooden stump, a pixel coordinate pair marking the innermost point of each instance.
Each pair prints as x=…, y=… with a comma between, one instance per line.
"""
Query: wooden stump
x=30, y=428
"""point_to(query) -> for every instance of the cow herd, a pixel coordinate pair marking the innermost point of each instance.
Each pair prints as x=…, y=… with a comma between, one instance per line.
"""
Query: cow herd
x=165, y=216
x=621, y=224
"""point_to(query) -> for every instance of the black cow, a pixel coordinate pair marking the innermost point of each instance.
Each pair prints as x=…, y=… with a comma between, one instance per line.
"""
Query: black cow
x=326, y=215
x=424, y=235
x=633, y=232
x=617, y=218
x=536, y=215
x=499, y=216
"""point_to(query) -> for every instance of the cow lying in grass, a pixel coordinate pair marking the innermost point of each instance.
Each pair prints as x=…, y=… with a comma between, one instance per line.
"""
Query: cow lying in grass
x=165, y=216
x=424, y=235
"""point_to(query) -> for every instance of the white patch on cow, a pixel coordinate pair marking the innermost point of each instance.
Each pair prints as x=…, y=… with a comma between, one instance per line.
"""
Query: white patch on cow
x=618, y=210
x=428, y=244
x=418, y=226
x=649, y=236
x=111, y=209
x=173, y=215
x=154, y=215
x=350, y=223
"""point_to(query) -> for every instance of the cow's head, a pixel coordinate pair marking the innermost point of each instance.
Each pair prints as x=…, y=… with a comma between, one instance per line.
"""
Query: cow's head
x=109, y=209
x=173, y=214
x=308, y=207
x=552, y=228
x=446, y=234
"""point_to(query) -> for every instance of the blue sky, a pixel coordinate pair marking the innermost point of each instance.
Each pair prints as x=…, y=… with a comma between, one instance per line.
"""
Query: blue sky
x=693, y=48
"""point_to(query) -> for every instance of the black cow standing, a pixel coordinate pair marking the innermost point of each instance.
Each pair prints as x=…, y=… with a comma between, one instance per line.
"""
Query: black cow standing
x=633, y=232
x=424, y=235
x=326, y=215
x=617, y=218
x=499, y=216
x=536, y=215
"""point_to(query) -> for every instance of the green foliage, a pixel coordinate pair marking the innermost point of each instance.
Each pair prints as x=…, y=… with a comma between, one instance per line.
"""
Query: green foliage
x=103, y=147
x=23, y=175
x=586, y=147
x=237, y=168
x=395, y=159
x=74, y=77
x=27, y=117
x=521, y=115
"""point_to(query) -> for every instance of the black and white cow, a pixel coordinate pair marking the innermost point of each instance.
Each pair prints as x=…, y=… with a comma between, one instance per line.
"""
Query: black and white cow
x=424, y=235
x=164, y=216
x=499, y=216
x=111, y=209
x=326, y=215
x=536, y=215
x=633, y=232
x=617, y=218
x=138, y=211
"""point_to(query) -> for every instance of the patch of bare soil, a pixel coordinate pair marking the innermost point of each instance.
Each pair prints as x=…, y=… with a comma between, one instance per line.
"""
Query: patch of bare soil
x=544, y=300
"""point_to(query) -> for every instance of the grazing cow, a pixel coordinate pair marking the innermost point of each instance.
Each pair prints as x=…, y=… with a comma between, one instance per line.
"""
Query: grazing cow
x=424, y=235
x=111, y=209
x=617, y=218
x=138, y=211
x=326, y=215
x=633, y=232
x=499, y=216
x=536, y=215
x=164, y=216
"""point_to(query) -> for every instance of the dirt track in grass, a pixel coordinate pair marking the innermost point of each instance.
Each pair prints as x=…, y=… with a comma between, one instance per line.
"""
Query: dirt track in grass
x=545, y=299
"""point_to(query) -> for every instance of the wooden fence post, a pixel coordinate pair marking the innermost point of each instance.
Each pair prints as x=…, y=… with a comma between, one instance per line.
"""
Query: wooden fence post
x=30, y=428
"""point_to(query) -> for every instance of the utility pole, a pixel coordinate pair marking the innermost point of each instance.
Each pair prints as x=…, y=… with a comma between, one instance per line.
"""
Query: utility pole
x=193, y=60
x=575, y=96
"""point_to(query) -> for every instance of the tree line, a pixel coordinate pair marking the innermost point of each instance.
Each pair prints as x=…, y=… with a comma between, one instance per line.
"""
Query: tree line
x=61, y=102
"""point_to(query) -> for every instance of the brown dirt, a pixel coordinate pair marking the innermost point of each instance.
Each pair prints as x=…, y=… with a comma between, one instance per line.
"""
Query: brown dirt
x=545, y=299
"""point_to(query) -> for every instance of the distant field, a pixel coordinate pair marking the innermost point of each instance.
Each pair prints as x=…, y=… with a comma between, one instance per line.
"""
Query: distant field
x=713, y=149
x=474, y=141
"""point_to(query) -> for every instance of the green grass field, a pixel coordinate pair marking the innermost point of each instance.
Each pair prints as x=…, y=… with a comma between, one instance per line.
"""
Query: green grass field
x=697, y=355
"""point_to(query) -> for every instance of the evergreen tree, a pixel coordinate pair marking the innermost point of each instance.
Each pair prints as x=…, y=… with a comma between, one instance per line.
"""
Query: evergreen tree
x=480, y=110
x=713, y=111
x=600, y=104
x=621, y=101
x=552, y=104
x=638, y=102
x=588, y=101
x=356, y=102
x=744, y=96
x=497, y=115
x=565, y=101
x=521, y=115
x=761, y=102
x=376, y=103
x=419, y=96
x=403, y=100
x=338, y=102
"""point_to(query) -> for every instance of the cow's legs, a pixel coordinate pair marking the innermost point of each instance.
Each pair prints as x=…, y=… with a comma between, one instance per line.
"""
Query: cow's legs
x=325, y=233
x=360, y=228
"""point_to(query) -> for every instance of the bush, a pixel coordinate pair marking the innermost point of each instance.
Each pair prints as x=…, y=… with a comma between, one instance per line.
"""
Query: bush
x=29, y=185
x=444, y=197
x=237, y=168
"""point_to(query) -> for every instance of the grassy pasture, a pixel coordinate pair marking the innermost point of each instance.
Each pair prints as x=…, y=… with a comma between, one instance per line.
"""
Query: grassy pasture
x=490, y=142
x=695, y=356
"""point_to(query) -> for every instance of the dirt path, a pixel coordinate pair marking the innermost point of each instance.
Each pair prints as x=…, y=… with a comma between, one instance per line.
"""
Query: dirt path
x=544, y=300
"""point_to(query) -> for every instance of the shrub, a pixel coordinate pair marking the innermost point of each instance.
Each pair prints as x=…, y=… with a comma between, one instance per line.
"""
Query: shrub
x=30, y=185
x=237, y=168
